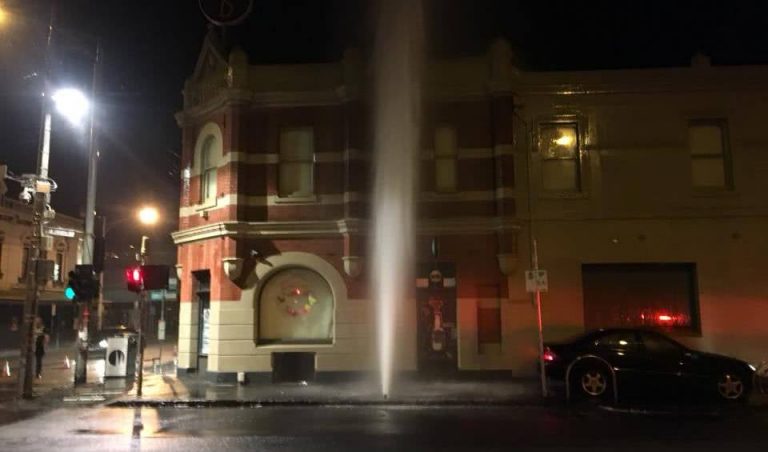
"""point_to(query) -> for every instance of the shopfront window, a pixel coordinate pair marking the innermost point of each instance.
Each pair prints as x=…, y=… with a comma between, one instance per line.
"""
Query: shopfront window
x=295, y=306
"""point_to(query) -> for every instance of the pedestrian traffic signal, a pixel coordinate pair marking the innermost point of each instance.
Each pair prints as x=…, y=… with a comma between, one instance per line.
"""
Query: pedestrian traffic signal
x=146, y=277
x=134, y=279
x=83, y=285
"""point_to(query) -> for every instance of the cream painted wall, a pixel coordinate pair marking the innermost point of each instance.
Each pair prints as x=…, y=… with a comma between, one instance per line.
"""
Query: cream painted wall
x=637, y=203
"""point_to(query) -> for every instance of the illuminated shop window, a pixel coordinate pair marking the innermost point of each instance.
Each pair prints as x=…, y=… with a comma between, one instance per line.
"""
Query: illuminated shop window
x=297, y=162
x=446, y=150
x=710, y=162
x=560, y=159
x=296, y=306
x=641, y=295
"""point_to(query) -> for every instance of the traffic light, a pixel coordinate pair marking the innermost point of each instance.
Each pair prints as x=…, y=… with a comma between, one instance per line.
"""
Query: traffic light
x=134, y=279
x=146, y=277
x=83, y=285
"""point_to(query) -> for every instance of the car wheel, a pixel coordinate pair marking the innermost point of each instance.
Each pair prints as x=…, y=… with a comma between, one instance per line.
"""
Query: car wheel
x=593, y=382
x=731, y=387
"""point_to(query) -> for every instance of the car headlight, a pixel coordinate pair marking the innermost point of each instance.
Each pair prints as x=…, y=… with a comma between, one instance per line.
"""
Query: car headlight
x=752, y=367
x=103, y=343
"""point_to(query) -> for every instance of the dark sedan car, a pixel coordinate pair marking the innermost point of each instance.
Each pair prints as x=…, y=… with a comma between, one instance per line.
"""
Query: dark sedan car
x=606, y=364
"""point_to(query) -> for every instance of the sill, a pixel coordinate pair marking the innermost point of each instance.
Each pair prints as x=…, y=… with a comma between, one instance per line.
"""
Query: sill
x=207, y=206
x=289, y=346
x=714, y=193
x=563, y=195
x=307, y=199
x=441, y=196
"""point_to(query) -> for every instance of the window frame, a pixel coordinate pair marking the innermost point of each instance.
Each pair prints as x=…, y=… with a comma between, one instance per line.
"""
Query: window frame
x=725, y=154
x=210, y=137
x=692, y=304
x=271, y=277
x=208, y=172
x=579, y=159
x=451, y=158
x=312, y=162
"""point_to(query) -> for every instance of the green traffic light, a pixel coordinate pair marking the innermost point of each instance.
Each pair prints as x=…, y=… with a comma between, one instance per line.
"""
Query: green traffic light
x=69, y=293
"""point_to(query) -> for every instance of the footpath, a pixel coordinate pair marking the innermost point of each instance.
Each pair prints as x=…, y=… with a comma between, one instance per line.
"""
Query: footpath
x=163, y=386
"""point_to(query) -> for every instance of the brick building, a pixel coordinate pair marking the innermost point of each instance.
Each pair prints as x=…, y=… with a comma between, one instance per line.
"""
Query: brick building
x=638, y=185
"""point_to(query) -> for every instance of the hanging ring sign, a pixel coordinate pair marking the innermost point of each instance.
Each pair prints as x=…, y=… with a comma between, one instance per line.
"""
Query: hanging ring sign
x=226, y=12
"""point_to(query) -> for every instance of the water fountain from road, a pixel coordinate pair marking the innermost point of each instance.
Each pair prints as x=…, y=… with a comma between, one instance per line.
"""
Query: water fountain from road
x=397, y=112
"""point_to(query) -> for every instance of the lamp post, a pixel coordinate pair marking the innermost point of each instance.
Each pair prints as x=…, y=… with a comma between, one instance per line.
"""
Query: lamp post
x=148, y=216
x=73, y=106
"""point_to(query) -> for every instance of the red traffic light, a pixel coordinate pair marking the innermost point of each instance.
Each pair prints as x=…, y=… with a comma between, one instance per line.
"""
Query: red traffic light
x=146, y=277
x=134, y=279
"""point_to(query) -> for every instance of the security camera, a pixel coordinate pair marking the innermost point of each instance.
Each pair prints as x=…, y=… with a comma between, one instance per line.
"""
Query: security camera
x=25, y=196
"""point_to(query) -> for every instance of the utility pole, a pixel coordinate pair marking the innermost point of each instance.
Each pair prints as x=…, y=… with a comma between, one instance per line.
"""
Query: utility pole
x=142, y=304
x=86, y=321
x=41, y=186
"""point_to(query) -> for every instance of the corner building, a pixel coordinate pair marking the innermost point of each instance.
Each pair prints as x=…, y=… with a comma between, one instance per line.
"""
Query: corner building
x=275, y=217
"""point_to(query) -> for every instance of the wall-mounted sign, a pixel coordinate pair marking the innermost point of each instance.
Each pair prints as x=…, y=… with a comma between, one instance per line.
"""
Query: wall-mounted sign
x=226, y=12
x=60, y=232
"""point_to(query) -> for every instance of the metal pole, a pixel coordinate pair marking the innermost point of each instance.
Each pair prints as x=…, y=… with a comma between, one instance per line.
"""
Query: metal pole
x=30, y=306
x=537, y=296
x=100, y=308
x=93, y=159
x=142, y=299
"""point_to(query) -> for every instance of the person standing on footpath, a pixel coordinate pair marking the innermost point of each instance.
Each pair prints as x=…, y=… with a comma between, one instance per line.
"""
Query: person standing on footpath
x=41, y=341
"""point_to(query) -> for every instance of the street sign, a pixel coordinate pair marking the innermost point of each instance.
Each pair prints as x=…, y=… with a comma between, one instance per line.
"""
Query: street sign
x=536, y=281
x=161, y=330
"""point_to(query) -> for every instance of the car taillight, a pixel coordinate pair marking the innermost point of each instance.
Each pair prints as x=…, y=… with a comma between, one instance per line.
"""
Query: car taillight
x=549, y=355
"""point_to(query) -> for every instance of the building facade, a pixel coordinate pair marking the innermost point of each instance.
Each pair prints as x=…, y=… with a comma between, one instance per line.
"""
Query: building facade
x=15, y=249
x=640, y=187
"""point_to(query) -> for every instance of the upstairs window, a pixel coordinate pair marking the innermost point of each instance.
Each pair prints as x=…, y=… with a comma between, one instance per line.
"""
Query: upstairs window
x=446, y=150
x=707, y=141
x=207, y=171
x=297, y=161
x=560, y=159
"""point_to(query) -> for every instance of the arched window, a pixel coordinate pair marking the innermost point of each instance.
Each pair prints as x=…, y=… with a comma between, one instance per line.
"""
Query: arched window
x=207, y=171
x=296, y=306
x=207, y=158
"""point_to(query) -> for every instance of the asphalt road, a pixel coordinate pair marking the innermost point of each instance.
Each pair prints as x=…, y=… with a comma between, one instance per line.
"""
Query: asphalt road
x=383, y=428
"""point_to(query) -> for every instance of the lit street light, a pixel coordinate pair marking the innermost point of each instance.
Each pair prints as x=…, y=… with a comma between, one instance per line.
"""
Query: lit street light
x=148, y=216
x=72, y=104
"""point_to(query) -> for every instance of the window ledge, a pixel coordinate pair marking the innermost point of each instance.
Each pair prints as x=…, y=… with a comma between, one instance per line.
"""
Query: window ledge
x=296, y=346
x=714, y=193
x=563, y=195
x=310, y=199
x=206, y=206
x=442, y=196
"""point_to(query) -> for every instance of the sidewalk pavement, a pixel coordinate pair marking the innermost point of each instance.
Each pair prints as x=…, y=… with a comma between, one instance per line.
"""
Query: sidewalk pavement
x=162, y=386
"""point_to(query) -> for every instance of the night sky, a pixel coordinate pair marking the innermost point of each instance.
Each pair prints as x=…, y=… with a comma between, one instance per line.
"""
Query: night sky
x=151, y=46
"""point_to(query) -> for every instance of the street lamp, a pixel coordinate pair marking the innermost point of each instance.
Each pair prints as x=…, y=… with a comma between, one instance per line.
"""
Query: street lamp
x=72, y=104
x=148, y=216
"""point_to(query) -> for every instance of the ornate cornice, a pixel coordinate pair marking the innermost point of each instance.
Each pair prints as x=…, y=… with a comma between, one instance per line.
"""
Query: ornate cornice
x=307, y=229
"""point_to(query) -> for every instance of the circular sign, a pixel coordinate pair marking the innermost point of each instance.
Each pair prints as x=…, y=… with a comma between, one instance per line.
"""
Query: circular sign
x=226, y=12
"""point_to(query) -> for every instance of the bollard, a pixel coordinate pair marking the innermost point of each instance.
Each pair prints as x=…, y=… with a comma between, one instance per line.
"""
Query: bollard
x=7, y=369
x=67, y=364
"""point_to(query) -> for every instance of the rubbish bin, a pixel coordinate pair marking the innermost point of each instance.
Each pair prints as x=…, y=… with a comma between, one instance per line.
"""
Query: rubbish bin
x=116, y=357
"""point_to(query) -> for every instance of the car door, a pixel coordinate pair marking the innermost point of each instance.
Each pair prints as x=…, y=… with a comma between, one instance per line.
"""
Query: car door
x=661, y=362
x=621, y=348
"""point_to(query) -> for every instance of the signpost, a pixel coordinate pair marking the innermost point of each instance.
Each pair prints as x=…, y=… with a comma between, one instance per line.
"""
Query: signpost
x=536, y=282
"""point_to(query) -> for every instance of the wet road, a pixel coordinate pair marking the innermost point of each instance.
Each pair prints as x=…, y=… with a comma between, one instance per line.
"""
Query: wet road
x=381, y=428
